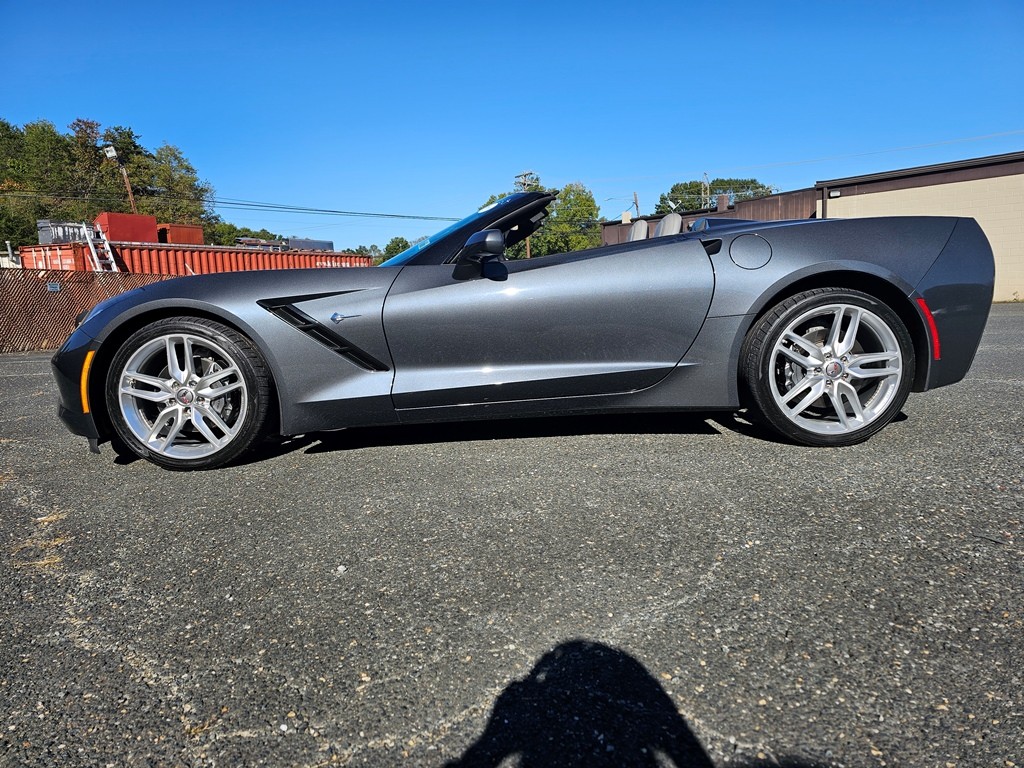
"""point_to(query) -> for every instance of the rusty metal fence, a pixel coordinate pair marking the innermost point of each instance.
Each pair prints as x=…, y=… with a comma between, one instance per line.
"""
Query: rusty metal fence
x=38, y=307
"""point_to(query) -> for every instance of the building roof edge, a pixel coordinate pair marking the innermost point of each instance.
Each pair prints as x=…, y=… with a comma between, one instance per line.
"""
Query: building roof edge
x=923, y=170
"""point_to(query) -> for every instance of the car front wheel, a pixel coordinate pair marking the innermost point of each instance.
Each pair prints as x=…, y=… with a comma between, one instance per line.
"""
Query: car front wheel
x=188, y=393
x=828, y=367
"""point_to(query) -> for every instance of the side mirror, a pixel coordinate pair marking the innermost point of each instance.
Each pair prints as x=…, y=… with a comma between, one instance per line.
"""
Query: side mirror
x=483, y=246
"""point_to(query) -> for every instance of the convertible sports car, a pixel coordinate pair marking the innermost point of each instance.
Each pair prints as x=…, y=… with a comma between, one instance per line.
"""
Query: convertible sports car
x=819, y=328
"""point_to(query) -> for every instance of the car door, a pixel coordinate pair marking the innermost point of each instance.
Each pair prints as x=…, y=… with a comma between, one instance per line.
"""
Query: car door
x=596, y=322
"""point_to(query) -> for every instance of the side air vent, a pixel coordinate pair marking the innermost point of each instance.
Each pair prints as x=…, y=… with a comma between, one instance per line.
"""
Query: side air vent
x=333, y=341
x=712, y=246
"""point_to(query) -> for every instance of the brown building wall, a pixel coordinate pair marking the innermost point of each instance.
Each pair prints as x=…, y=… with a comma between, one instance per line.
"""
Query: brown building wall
x=997, y=204
x=799, y=204
x=988, y=189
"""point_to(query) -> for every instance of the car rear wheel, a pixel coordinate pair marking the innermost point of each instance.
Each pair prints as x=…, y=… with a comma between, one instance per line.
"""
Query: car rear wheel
x=828, y=367
x=188, y=393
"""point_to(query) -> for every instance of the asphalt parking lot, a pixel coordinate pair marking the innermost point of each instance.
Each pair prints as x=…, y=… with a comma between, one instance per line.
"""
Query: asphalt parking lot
x=658, y=590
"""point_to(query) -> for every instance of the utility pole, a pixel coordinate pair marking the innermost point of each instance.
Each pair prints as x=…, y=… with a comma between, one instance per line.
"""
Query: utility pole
x=705, y=192
x=128, y=186
x=636, y=204
x=527, y=181
x=110, y=152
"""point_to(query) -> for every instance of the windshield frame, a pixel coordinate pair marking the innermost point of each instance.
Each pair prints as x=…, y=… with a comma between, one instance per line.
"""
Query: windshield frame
x=441, y=246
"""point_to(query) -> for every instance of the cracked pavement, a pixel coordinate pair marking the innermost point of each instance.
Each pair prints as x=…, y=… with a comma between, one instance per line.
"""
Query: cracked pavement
x=589, y=591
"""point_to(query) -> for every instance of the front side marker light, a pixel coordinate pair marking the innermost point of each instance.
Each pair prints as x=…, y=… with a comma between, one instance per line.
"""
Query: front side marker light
x=86, y=366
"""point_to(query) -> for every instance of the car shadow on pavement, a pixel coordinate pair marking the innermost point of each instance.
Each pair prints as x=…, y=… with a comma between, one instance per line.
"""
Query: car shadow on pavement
x=738, y=422
x=512, y=429
x=588, y=704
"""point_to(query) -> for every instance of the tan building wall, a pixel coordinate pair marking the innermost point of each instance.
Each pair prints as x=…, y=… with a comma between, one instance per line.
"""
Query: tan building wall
x=997, y=204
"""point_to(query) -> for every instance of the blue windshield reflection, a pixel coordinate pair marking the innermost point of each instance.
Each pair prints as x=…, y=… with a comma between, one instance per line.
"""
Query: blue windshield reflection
x=410, y=252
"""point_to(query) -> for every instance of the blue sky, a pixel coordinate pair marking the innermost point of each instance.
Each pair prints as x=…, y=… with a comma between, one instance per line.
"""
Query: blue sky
x=428, y=108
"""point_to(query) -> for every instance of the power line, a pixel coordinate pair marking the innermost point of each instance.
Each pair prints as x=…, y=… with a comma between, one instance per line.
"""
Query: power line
x=252, y=205
x=233, y=204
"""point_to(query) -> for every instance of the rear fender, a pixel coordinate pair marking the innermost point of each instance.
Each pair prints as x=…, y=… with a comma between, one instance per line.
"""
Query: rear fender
x=957, y=292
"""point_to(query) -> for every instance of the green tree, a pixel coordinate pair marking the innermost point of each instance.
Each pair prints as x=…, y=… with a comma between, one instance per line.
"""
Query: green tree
x=34, y=178
x=689, y=195
x=17, y=207
x=395, y=246
x=85, y=155
x=45, y=174
x=125, y=141
x=373, y=251
x=12, y=149
x=95, y=183
x=168, y=186
x=216, y=231
x=572, y=223
x=47, y=160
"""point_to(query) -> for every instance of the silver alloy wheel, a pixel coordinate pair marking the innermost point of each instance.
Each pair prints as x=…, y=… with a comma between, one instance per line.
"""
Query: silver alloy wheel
x=183, y=396
x=835, y=369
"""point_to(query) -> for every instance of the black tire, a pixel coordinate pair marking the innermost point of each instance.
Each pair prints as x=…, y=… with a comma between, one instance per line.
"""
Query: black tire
x=828, y=367
x=165, y=399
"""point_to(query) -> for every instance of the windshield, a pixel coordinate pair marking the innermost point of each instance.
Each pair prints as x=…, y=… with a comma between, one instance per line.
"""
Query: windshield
x=410, y=252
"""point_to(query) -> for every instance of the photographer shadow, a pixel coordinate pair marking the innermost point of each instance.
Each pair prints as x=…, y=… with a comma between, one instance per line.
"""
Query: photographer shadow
x=585, y=704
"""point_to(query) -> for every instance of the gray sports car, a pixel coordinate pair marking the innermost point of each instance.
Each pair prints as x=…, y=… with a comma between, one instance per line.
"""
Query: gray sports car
x=819, y=328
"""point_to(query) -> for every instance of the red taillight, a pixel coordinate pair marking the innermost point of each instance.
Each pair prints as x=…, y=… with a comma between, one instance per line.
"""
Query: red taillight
x=933, y=330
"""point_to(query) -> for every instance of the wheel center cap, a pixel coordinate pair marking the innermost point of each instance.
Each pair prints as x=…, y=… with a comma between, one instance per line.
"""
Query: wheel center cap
x=185, y=396
x=833, y=369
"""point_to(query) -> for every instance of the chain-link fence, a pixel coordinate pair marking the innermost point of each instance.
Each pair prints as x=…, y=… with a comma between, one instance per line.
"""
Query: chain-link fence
x=38, y=307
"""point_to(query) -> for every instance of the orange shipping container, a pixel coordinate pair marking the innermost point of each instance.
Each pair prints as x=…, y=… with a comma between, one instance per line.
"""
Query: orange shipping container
x=179, y=234
x=160, y=259
x=129, y=227
x=67, y=256
x=202, y=260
